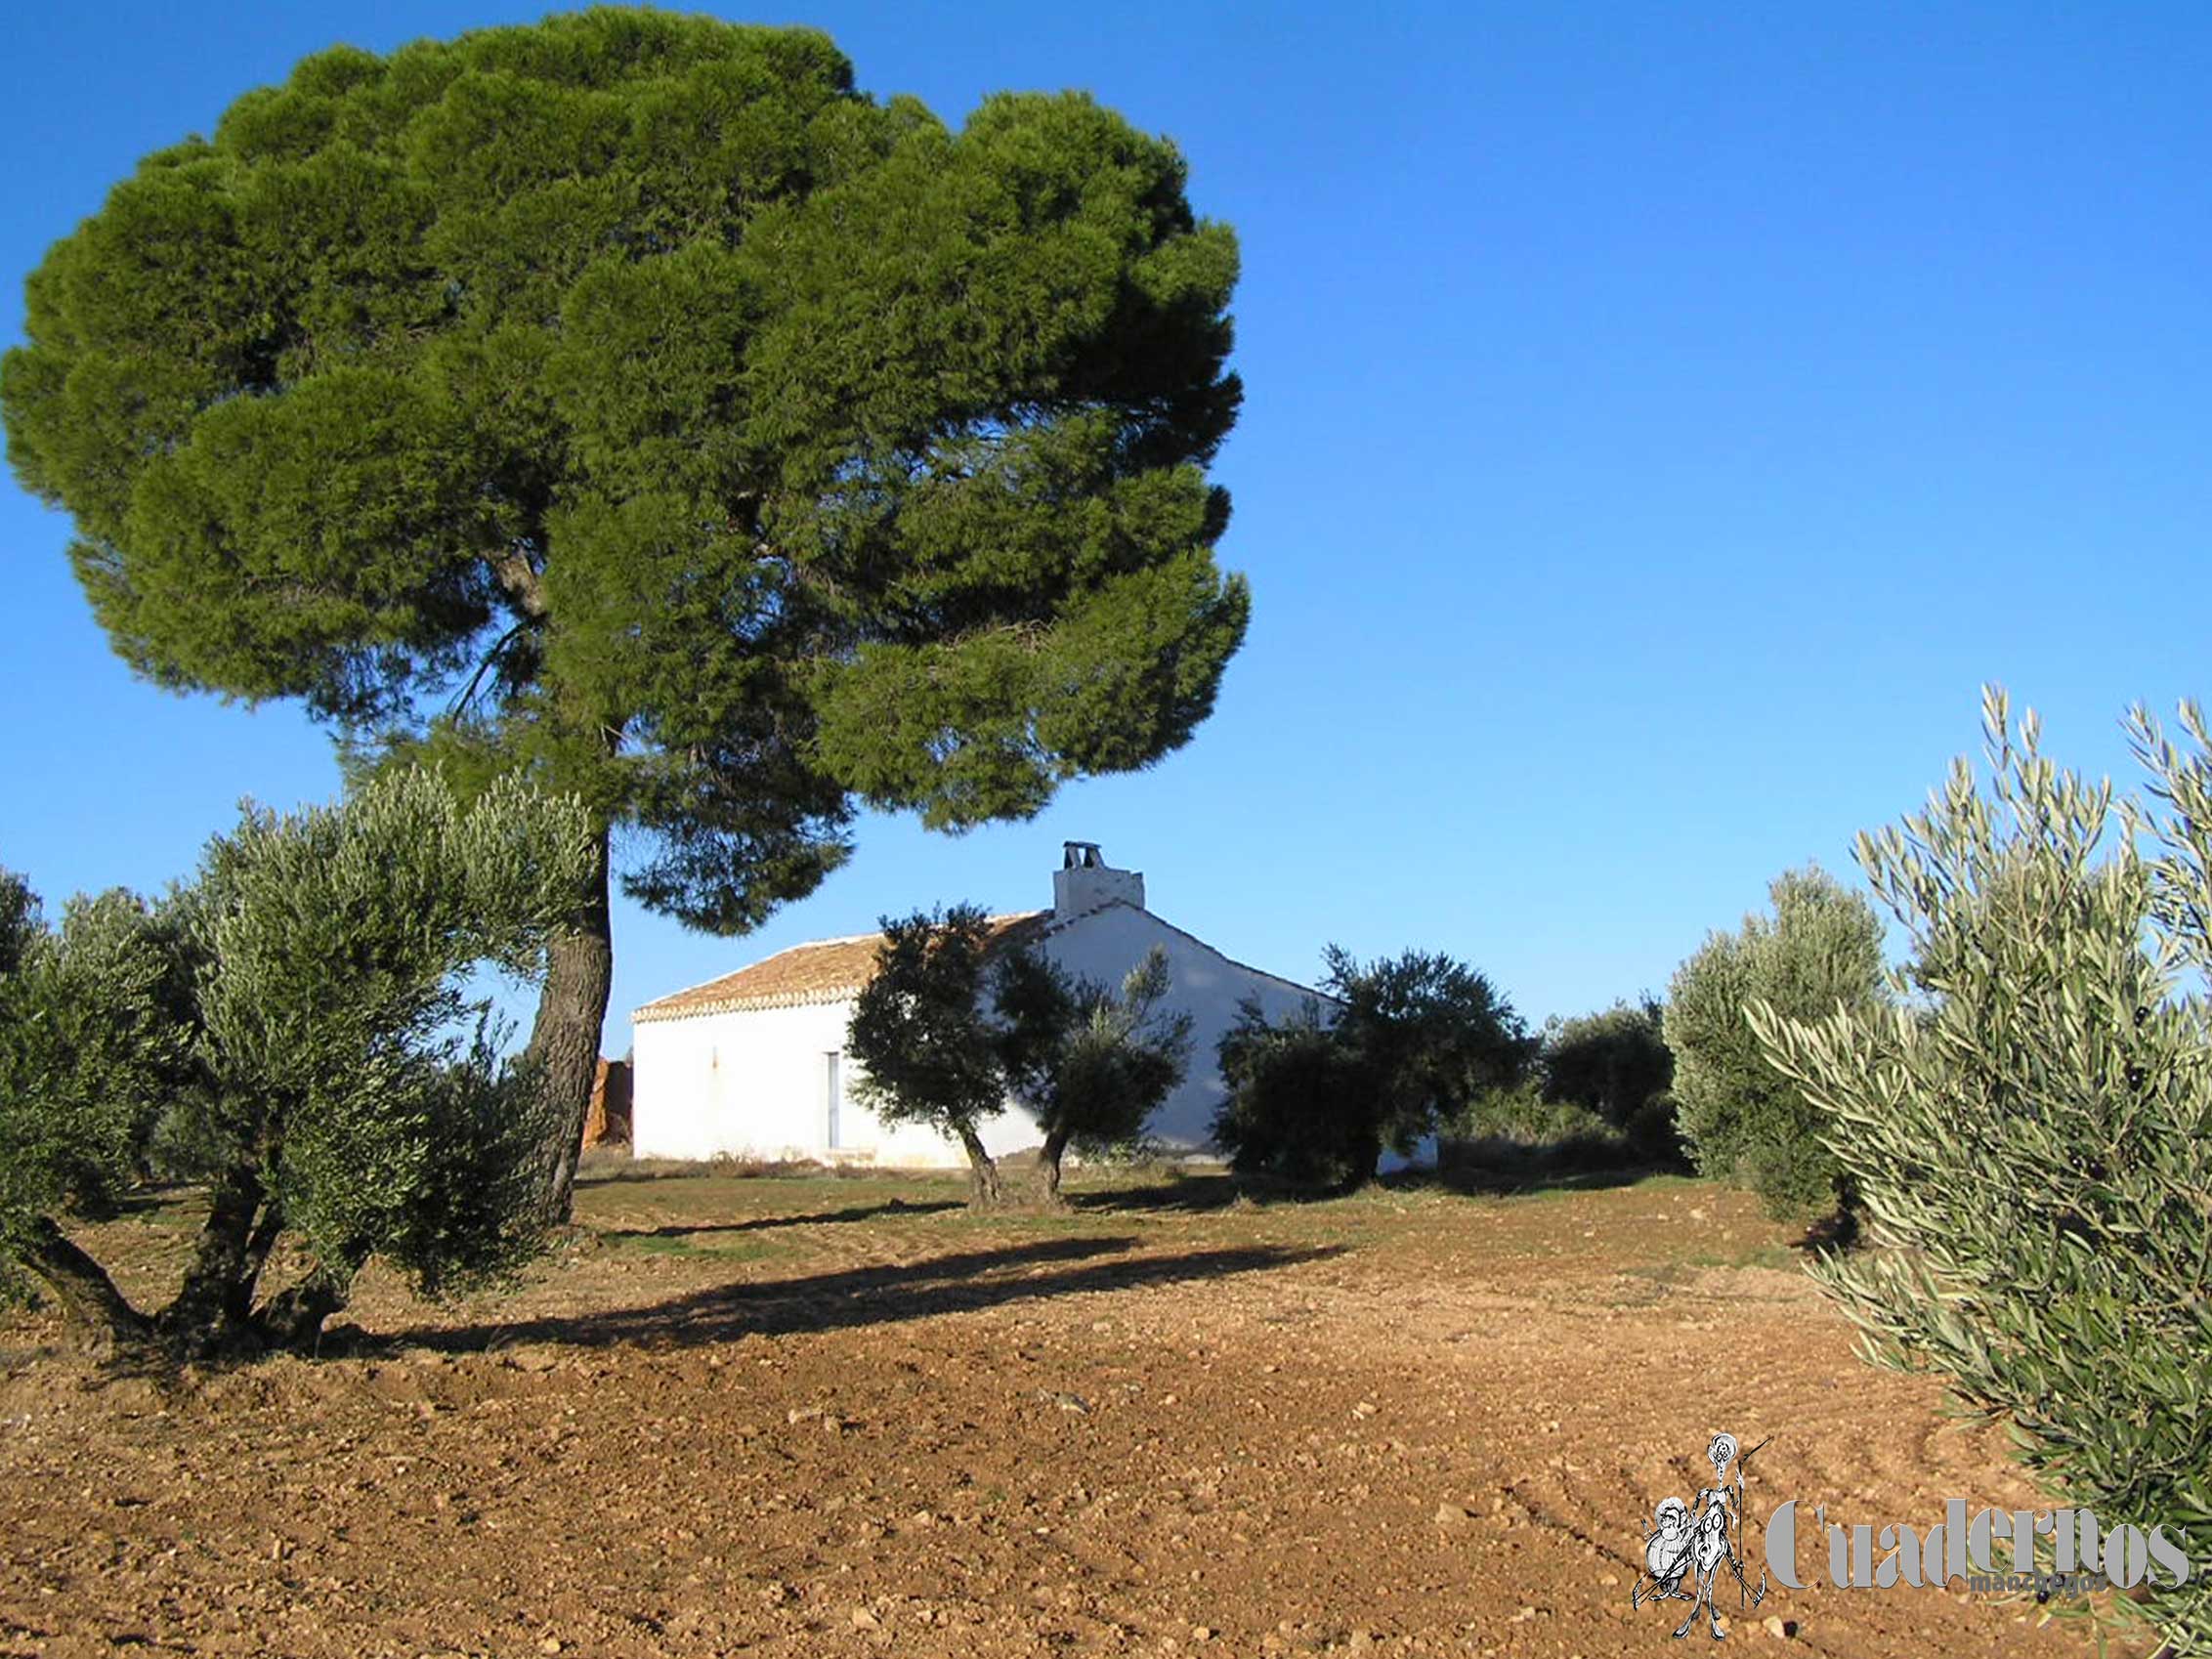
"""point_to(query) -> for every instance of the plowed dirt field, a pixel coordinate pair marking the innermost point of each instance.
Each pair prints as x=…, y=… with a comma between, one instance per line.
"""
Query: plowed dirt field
x=815, y=1416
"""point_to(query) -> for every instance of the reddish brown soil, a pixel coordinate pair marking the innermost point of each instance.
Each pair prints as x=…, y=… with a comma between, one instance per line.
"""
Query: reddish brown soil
x=817, y=1417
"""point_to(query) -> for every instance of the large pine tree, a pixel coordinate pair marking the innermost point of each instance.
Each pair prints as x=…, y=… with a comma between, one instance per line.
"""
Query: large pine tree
x=628, y=401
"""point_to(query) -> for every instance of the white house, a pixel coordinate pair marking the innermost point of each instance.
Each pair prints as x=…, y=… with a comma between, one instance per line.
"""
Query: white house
x=754, y=1064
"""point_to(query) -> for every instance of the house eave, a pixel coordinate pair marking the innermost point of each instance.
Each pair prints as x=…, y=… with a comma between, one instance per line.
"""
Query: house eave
x=649, y=1015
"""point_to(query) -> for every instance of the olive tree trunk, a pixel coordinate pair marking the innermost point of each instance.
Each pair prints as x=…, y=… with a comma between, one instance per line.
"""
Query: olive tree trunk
x=295, y=1317
x=213, y=1313
x=985, y=1190
x=213, y=1304
x=1048, y=1170
x=564, y=1039
x=87, y=1294
x=1365, y=1163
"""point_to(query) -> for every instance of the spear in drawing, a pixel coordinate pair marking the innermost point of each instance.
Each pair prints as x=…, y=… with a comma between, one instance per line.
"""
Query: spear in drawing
x=1743, y=1591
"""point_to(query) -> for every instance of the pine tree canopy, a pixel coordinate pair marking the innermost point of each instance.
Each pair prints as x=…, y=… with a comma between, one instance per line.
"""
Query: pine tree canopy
x=626, y=400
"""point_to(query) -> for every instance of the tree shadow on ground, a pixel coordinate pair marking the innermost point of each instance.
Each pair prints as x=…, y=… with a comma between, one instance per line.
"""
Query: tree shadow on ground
x=1197, y=1194
x=1507, y=1180
x=966, y=1282
x=816, y=1218
x=1186, y=1194
x=1830, y=1234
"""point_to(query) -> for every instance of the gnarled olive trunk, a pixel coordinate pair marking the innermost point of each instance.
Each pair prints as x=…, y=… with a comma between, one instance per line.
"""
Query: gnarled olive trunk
x=295, y=1317
x=213, y=1314
x=563, y=1038
x=98, y=1309
x=213, y=1304
x=1048, y=1170
x=985, y=1190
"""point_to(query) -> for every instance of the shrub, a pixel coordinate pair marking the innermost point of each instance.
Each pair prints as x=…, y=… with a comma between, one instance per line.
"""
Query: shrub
x=1521, y=1112
x=1519, y=1135
x=1653, y=1135
x=2032, y=1139
x=1740, y=1117
x=1612, y=1062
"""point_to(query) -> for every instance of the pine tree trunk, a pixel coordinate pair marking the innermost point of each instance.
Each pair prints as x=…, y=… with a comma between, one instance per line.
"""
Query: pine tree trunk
x=1048, y=1170
x=985, y=1192
x=564, y=1039
x=90, y=1297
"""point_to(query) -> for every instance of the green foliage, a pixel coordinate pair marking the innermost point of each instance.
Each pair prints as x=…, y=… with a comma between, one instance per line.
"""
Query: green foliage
x=1413, y=1042
x=2032, y=1139
x=1740, y=1117
x=1654, y=1133
x=1092, y=1062
x=1125, y=1056
x=21, y=926
x=957, y=1018
x=918, y=1028
x=1427, y=1035
x=469, y=1213
x=333, y=1016
x=1522, y=1113
x=296, y=1018
x=1516, y=1135
x=1297, y=1107
x=1615, y=1068
x=1612, y=1062
x=86, y=1056
x=626, y=400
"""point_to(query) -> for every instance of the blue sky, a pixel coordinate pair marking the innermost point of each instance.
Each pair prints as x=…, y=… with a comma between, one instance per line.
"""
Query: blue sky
x=1660, y=422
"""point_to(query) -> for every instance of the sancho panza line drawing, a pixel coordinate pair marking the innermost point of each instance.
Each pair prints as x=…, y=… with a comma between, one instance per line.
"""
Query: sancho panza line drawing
x=1701, y=1541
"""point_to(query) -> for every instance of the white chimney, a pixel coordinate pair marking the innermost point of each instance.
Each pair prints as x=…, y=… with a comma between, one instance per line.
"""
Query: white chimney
x=1082, y=882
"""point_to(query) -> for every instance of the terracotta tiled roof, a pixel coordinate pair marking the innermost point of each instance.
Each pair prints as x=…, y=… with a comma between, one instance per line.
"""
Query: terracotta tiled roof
x=827, y=972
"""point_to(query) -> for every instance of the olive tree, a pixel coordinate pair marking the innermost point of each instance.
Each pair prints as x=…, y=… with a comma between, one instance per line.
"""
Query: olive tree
x=627, y=402
x=292, y=1028
x=1405, y=1044
x=918, y=1034
x=1296, y=1107
x=89, y=1055
x=963, y=1014
x=1614, y=1062
x=1741, y=1118
x=2031, y=1135
x=1091, y=1062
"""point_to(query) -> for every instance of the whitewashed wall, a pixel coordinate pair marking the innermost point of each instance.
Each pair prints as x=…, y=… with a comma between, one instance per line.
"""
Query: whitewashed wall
x=751, y=1082
x=755, y=1084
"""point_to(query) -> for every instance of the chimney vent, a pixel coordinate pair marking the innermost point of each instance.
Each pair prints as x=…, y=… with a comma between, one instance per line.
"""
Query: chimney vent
x=1085, y=882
